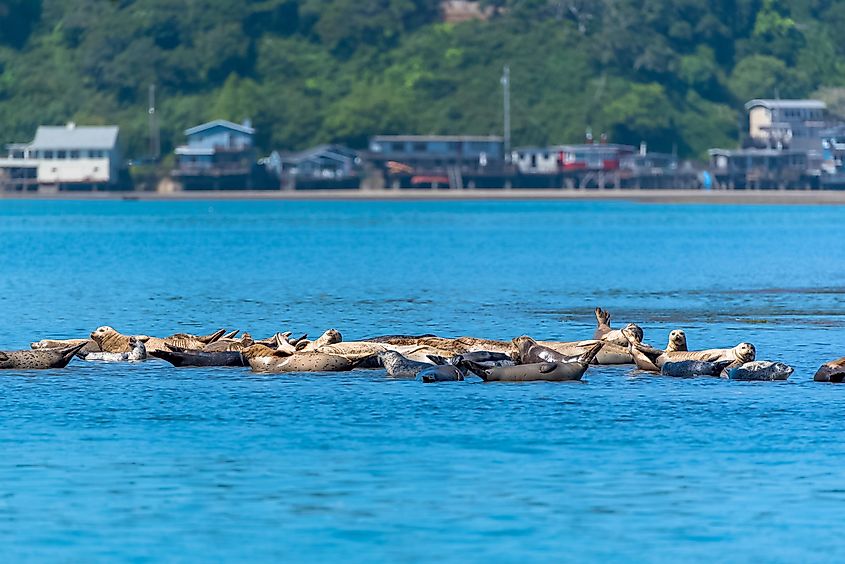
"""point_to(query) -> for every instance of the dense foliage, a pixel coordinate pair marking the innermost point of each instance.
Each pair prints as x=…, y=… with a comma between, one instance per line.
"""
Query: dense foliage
x=672, y=72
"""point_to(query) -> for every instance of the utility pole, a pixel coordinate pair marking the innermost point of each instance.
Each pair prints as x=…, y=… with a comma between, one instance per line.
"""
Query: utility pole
x=155, y=136
x=506, y=86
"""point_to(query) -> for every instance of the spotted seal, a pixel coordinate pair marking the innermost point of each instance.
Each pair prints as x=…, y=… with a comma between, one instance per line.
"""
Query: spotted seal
x=694, y=368
x=265, y=359
x=833, y=371
x=486, y=358
x=137, y=353
x=229, y=344
x=545, y=371
x=651, y=359
x=330, y=337
x=609, y=354
x=40, y=359
x=90, y=344
x=399, y=366
x=761, y=370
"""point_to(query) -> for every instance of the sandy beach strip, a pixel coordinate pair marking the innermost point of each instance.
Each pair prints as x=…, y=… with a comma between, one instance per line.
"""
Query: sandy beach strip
x=805, y=197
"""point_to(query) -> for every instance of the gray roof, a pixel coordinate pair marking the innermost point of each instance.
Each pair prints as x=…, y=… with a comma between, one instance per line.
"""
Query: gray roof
x=787, y=104
x=75, y=137
x=222, y=123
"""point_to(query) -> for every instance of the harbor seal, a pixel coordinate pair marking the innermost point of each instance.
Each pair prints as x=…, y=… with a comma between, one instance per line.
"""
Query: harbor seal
x=137, y=353
x=605, y=333
x=833, y=371
x=330, y=337
x=610, y=354
x=694, y=368
x=441, y=373
x=485, y=358
x=40, y=359
x=545, y=371
x=531, y=352
x=399, y=366
x=761, y=370
x=183, y=357
x=230, y=344
x=265, y=359
x=110, y=340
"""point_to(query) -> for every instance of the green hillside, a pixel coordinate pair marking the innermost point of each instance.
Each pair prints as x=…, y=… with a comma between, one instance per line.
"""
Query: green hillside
x=671, y=72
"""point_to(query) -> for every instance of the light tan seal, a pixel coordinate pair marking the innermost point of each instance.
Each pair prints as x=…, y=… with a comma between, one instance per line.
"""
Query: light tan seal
x=265, y=359
x=110, y=340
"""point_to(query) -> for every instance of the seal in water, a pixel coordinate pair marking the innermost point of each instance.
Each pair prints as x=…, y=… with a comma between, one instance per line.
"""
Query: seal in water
x=760, y=370
x=693, y=368
x=833, y=371
x=398, y=366
x=441, y=373
x=531, y=352
x=41, y=359
x=182, y=357
x=137, y=353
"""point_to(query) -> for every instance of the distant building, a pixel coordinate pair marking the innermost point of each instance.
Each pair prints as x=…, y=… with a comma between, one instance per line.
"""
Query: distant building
x=66, y=157
x=325, y=166
x=217, y=155
x=455, y=11
x=760, y=168
x=792, y=124
x=454, y=161
x=566, y=158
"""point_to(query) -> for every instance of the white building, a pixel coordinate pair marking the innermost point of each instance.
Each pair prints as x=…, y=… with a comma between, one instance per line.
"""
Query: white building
x=63, y=157
x=786, y=123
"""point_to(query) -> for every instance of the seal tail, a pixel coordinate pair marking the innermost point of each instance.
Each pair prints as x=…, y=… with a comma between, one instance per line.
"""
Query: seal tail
x=208, y=339
x=591, y=354
x=231, y=335
x=602, y=317
x=477, y=369
x=68, y=354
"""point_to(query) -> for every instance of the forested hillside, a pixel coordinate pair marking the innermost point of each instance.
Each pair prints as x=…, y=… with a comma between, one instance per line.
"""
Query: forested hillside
x=671, y=72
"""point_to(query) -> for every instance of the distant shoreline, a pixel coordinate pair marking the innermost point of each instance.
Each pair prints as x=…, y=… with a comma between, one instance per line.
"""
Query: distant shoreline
x=784, y=197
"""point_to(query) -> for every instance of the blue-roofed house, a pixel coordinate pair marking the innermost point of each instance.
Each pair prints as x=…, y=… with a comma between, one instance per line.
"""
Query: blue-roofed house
x=217, y=154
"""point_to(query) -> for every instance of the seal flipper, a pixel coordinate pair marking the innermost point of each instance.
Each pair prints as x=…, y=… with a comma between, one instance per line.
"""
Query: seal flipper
x=547, y=367
x=68, y=354
x=208, y=339
x=602, y=317
x=438, y=360
x=591, y=354
x=475, y=368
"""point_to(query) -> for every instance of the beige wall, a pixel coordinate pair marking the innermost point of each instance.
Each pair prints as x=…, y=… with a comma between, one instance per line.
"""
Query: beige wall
x=758, y=118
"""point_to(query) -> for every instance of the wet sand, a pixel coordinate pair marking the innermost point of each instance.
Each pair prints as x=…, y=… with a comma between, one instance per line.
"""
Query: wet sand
x=806, y=197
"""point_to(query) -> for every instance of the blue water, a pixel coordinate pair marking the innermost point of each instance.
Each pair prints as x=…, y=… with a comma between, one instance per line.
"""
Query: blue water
x=147, y=462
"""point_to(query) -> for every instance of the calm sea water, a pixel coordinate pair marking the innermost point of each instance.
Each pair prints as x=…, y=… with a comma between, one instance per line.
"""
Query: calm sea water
x=148, y=462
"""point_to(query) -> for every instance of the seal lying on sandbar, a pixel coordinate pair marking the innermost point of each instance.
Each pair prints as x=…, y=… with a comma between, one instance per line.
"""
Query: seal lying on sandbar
x=228, y=344
x=485, y=358
x=604, y=332
x=651, y=359
x=833, y=371
x=136, y=354
x=399, y=366
x=530, y=351
x=90, y=345
x=760, y=370
x=110, y=340
x=265, y=359
x=694, y=368
x=609, y=353
x=182, y=357
x=542, y=371
x=41, y=359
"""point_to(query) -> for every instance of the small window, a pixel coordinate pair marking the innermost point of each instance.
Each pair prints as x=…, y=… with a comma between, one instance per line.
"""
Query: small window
x=61, y=155
x=420, y=147
x=74, y=154
x=48, y=154
x=397, y=147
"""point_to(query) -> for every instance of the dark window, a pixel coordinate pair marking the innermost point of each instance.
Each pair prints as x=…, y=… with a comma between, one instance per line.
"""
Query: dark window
x=420, y=147
x=61, y=155
x=397, y=147
x=48, y=154
x=74, y=154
